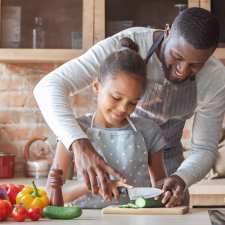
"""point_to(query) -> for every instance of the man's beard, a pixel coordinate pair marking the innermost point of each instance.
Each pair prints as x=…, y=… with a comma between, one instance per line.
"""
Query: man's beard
x=168, y=70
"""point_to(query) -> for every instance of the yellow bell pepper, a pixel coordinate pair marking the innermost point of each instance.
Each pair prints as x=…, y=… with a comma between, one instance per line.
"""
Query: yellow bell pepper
x=32, y=197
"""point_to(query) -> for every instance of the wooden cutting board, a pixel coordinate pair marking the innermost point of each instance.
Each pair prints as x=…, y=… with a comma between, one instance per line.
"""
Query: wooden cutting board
x=146, y=211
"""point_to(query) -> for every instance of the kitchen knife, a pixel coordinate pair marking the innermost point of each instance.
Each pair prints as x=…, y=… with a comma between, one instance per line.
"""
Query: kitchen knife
x=144, y=192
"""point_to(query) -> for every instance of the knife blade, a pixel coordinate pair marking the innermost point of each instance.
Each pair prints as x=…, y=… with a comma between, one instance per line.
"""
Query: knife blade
x=144, y=192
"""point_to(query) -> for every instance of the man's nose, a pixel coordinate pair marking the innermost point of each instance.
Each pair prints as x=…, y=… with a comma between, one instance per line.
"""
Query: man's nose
x=183, y=68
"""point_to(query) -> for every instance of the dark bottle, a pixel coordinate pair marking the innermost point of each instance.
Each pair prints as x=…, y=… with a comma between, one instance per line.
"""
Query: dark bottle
x=55, y=183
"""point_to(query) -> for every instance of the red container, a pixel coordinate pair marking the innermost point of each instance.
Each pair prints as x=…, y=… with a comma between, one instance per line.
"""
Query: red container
x=6, y=165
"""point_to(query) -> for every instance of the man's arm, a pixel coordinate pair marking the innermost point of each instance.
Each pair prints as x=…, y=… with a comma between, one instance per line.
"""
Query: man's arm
x=52, y=95
x=205, y=136
x=53, y=91
x=205, y=133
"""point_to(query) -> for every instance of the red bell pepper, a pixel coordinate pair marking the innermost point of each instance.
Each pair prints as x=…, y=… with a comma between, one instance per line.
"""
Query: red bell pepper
x=12, y=191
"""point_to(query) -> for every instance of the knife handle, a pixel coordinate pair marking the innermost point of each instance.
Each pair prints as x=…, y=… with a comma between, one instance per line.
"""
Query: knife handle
x=123, y=190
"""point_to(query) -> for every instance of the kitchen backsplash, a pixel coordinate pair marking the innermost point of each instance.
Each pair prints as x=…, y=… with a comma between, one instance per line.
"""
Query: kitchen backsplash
x=20, y=118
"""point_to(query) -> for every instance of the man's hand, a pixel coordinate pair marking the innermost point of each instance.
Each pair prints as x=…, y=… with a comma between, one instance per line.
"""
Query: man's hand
x=174, y=191
x=93, y=168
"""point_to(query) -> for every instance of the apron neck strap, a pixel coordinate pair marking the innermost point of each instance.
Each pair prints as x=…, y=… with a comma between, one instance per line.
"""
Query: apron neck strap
x=128, y=119
x=154, y=46
x=93, y=119
x=131, y=124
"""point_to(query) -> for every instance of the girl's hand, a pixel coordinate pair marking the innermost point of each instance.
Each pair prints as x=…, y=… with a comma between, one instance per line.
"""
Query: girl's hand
x=93, y=168
x=114, y=185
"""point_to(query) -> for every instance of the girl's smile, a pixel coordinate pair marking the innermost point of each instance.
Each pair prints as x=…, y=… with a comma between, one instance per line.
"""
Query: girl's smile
x=117, y=98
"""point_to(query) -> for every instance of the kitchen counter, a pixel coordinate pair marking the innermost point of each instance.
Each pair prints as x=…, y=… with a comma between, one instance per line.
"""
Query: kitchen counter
x=94, y=217
x=209, y=192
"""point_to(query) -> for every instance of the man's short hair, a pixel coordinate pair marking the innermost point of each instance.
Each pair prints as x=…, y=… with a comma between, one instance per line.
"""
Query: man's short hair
x=198, y=27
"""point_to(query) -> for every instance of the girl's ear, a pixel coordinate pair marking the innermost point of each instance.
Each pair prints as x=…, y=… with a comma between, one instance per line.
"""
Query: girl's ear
x=96, y=85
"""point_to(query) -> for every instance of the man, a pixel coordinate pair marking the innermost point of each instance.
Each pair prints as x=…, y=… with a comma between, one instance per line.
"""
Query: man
x=183, y=79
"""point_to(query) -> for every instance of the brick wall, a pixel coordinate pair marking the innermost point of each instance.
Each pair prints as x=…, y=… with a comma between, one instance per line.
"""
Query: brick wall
x=20, y=118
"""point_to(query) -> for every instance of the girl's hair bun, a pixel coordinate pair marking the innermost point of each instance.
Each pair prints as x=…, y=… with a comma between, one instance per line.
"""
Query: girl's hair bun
x=128, y=43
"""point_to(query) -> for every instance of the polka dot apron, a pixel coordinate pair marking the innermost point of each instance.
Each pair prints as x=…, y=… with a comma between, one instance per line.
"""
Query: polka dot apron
x=124, y=150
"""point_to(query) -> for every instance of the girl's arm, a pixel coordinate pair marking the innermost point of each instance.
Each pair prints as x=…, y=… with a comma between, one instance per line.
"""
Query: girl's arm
x=157, y=169
x=73, y=190
x=63, y=160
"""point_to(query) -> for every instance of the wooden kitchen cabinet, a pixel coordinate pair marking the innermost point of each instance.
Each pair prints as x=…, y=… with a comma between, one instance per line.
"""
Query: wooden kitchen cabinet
x=127, y=13
x=217, y=7
x=67, y=27
x=88, y=20
x=120, y=15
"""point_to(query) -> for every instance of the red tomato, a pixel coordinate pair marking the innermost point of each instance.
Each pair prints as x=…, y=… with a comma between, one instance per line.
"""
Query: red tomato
x=3, y=213
x=4, y=209
x=34, y=214
x=19, y=213
x=8, y=206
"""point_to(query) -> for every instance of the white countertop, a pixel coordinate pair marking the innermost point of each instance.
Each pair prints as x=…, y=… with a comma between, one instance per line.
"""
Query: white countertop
x=94, y=217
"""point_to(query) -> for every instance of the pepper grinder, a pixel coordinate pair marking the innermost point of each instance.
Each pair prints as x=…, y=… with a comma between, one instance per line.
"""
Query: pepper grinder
x=56, y=182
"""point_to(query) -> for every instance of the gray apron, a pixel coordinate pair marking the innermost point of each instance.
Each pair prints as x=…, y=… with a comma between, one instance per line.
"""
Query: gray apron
x=124, y=150
x=169, y=105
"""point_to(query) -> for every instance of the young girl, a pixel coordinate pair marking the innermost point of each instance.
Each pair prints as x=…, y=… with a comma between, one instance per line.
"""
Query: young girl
x=133, y=146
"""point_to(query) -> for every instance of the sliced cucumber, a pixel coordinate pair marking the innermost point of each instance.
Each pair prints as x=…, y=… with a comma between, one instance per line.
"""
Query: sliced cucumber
x=148, y=203
x=129, y=205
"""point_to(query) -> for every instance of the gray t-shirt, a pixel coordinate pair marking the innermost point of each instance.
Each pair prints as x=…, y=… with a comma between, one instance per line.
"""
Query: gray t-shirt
x=151, y=132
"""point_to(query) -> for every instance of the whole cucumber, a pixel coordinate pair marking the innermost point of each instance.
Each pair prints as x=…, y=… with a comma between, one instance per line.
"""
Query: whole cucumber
x=60, y=212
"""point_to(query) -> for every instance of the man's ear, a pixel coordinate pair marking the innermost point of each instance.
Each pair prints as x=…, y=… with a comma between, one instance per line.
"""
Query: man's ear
x=167, y=30
x=96, y=85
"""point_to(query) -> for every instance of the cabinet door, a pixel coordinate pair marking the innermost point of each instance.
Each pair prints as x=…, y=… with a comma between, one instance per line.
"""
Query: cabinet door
x=112, y=16
x=205, y=4
x=193, y=3
x=128, y=13
x=217, y=7
x=45, y=30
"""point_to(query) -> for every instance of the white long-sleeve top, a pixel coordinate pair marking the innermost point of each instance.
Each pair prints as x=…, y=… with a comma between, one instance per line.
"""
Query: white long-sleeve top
x=169, y=105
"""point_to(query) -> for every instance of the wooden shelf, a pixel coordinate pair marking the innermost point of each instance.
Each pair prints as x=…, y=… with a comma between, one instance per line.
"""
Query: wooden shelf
x=38, y=55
